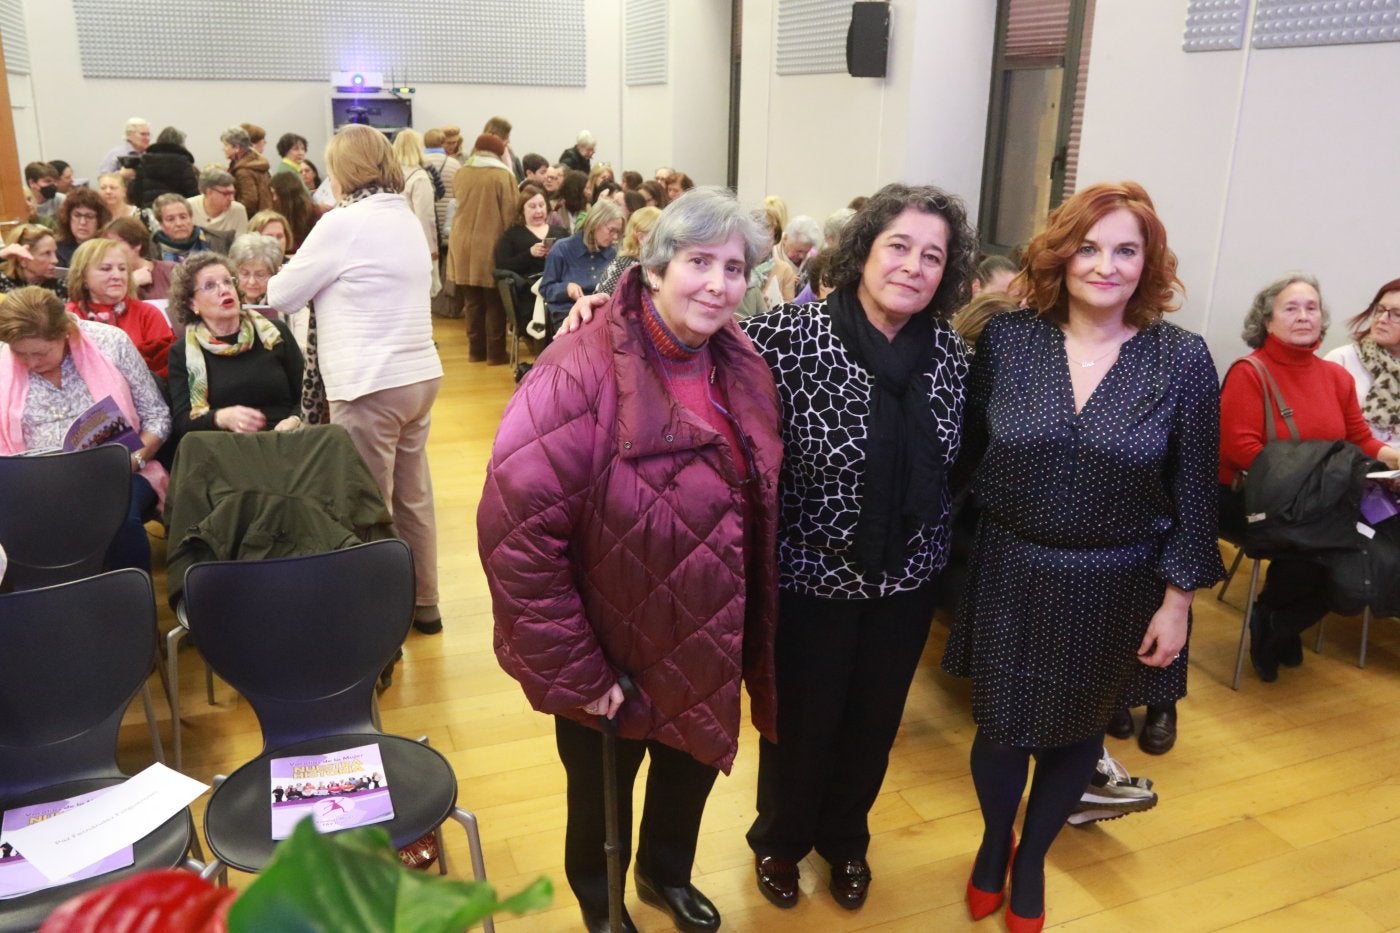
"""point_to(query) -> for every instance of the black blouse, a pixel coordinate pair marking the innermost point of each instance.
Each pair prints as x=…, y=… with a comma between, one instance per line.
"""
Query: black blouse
x=268, y=380
x=513, y=250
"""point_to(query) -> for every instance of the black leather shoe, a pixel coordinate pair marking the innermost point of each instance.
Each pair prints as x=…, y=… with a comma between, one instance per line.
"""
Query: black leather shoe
x=598, y=923
x=1290, y=650
x=777, y=879
x=850, y=883
x=1121, y=725
x=1263, y=652
x=1158, y=730
x=690, y=911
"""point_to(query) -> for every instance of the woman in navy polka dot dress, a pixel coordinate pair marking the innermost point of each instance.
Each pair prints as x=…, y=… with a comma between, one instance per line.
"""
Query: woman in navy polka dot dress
x=1098, y=424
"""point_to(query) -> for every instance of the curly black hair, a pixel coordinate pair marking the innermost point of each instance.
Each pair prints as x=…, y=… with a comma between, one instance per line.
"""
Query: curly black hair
x=858, y=237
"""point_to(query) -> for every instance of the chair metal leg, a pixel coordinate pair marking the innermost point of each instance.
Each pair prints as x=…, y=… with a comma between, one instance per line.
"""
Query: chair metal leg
x=468, y=821
x=215, y=870
x=172, y=660
x=1317, y=645
x=442, y=850
x=1244, y=625
x=1365, y=636
x=209, y=682
x=1230, y=575
x=156, y=745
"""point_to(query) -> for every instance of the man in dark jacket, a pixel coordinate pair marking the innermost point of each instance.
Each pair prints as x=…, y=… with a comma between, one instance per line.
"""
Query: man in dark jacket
x=166, y=166
x=580, y=156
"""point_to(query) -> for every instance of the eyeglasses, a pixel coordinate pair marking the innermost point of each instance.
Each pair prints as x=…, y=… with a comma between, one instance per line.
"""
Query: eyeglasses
x=226, y=192
x=83, y=215
x=253, y=275
x=211, y=288
x=1388, y=314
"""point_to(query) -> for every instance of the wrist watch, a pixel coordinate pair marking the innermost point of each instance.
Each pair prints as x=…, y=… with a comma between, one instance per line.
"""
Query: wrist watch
x=140, y=462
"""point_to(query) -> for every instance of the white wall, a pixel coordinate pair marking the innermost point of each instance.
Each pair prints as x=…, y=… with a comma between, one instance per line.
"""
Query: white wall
x=80, y=119
x=684, y=123
x=1260, y=161
x=820, y=140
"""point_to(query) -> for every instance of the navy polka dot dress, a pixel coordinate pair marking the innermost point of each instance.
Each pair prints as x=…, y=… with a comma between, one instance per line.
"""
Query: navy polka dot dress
x=1086, y=517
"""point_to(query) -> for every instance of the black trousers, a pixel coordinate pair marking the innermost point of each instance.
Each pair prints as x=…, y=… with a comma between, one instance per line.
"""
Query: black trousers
x=677, y=786
x=843, y=673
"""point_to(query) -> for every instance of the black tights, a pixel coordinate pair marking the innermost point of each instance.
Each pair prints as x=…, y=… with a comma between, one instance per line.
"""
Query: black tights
x=999, y=774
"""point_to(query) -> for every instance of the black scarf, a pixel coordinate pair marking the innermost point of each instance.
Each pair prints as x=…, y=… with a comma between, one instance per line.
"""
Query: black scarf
x=902, y=486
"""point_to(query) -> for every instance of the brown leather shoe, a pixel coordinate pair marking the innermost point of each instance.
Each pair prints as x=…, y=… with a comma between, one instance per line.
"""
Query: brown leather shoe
x=777, y=879
x=850, y=882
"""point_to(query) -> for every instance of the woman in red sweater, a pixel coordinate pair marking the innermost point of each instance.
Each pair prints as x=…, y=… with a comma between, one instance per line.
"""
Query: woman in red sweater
x=101, y=288
x=1285, y=326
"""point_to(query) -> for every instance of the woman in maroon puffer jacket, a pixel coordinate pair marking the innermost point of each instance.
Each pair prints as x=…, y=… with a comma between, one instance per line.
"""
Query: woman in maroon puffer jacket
x=628, y=527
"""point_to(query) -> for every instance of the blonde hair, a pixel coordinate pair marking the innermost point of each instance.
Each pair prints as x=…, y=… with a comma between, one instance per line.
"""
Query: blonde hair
x=408, y=149
x=25, y=235
x=600, y=214
x=34, y=313
x=359, y=156
x=641, y=221
x=88, y=255
x=261, y=219
x=970, y=320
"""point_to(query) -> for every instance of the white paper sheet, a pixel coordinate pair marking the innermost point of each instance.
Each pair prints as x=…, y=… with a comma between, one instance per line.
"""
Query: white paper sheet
x=71, y=841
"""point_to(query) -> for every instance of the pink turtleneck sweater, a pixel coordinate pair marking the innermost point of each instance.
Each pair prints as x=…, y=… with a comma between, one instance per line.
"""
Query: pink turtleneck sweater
x=1321, y=394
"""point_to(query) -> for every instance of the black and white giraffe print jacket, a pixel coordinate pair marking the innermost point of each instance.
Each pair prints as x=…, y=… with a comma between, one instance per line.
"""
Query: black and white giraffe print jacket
x=825, y=399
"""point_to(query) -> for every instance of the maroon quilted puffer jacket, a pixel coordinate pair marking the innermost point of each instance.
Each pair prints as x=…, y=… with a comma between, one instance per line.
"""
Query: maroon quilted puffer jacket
x=611, y=531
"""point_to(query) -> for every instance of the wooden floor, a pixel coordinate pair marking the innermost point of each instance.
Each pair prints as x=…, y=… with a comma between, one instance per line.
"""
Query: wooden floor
x=1280, y=804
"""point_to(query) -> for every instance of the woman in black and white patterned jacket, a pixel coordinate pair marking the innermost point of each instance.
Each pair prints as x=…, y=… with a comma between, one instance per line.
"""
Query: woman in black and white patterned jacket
x=871, y=387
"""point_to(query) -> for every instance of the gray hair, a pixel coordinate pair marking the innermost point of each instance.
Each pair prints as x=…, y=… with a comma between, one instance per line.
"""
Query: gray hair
x=255, y=247
x=700, y=217
x=604, y=212
x=803, y=230
x=133, y=124
x=214, y=178
x=836, y=222
x=236, y=136
x=159, y=205
x=1261, y=311
x=586, y=138
x=170, y=136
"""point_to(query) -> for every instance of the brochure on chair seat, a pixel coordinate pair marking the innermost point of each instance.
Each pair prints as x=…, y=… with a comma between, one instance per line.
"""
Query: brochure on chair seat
x=19, y=876
x=337, y=790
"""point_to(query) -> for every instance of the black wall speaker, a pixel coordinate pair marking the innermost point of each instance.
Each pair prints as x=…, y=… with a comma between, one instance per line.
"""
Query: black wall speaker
x=868, y=39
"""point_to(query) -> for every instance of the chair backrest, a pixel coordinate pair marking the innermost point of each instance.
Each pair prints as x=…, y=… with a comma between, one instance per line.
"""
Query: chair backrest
x=71, y=658
x=304, y=638
x=59, y=513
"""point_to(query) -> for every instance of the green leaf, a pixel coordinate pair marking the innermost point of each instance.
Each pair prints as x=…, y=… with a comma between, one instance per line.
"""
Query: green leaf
x=353, y=880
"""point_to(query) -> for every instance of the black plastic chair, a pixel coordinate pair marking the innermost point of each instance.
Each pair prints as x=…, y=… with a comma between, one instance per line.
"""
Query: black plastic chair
x=74, y=657
x=512, y=285
x=58, y=516
x=304, y=640
x=59, y=513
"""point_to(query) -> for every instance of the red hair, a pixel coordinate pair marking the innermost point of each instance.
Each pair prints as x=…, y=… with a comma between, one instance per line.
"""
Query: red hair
x=1042, y=275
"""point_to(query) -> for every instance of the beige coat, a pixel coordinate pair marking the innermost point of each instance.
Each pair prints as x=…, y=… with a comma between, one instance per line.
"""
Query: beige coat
x=486, y=195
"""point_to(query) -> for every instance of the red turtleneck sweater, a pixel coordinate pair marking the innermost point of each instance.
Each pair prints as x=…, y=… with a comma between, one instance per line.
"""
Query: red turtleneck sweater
x=1321, y=394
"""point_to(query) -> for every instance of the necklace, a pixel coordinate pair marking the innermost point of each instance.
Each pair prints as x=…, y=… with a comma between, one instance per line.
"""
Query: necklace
x=1083, y=364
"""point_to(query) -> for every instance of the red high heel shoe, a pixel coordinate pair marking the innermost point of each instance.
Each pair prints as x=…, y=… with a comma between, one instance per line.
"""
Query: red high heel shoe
x=1015, y=923
x=985, y=903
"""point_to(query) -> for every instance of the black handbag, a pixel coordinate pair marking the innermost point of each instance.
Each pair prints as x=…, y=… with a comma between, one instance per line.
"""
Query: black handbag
x=1301, y=495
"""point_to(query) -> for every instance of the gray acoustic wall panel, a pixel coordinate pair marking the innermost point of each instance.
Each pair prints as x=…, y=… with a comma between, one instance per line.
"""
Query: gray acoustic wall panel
x=1288, y=23
x=532, y=42
x=14, y=35
x=644, y=42
x=1215, y=25
x=812, y=36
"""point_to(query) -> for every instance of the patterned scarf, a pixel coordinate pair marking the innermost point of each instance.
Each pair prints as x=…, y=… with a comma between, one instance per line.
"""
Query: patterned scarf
x=1382, y=407
x=198, y=341
x=103, y=314
x=174, y=250
x=359, y=194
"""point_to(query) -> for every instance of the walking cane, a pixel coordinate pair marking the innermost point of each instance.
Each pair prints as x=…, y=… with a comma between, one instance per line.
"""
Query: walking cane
x=612, y=844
